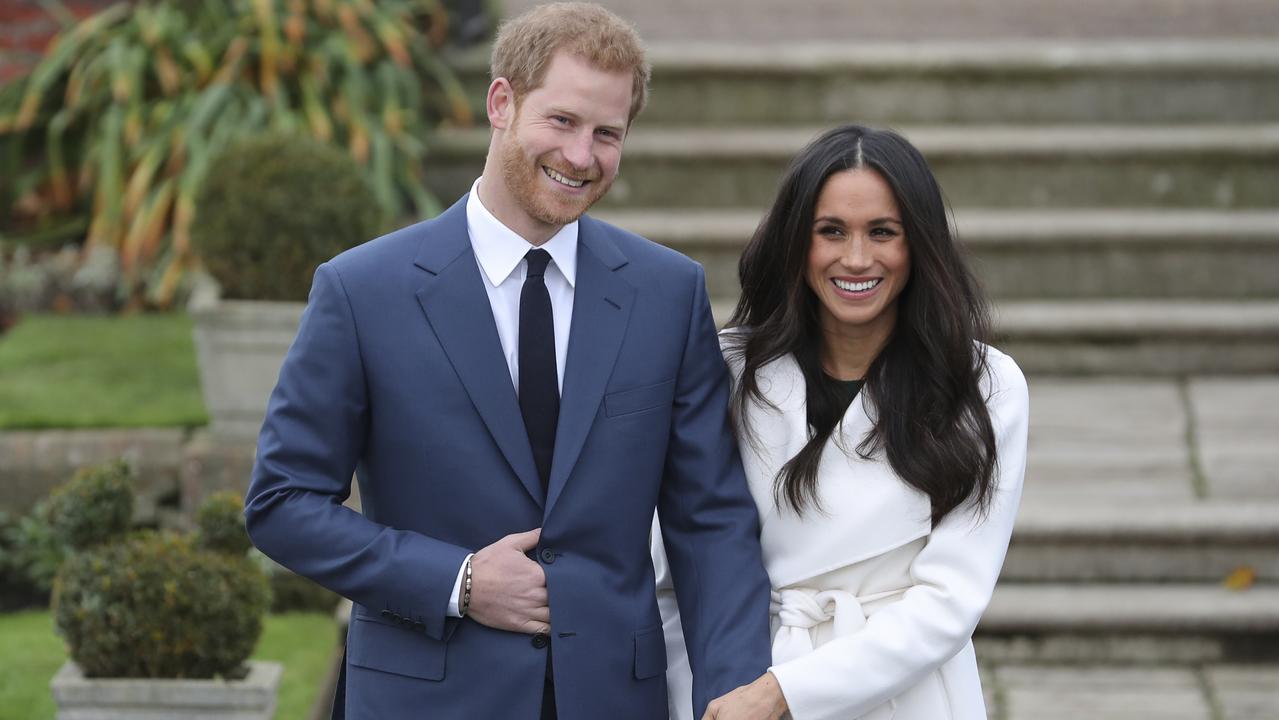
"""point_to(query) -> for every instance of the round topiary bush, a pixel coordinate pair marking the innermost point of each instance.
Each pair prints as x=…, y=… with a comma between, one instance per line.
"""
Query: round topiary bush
x=220, y=524
x=157, y=606
x=161, y=605
x=273, y=207
x=95, y=506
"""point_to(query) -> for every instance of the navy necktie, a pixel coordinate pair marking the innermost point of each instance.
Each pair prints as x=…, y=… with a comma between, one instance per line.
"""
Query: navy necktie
x=539, y=384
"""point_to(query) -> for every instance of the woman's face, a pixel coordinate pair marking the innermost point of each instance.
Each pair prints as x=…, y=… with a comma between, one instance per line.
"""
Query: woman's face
x=858, y=262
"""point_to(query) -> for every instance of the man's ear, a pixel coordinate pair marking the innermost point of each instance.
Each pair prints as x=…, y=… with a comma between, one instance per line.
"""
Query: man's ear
x=501, y=104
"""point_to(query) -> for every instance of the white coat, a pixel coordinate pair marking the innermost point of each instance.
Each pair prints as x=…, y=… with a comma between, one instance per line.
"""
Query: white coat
x=873, y=609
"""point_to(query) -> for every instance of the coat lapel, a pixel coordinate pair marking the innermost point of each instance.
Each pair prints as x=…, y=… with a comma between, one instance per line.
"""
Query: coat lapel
x=457, y=308
x=602, y=302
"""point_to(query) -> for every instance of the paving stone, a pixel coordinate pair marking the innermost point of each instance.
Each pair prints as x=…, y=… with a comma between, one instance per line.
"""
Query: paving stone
x=1236, y=423
x=1106, y=439
x=1245, y=692
x=1102, y=693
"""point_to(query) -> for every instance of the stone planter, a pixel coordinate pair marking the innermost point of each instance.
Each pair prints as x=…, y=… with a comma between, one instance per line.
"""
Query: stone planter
x=81, y=698
x=241, y=345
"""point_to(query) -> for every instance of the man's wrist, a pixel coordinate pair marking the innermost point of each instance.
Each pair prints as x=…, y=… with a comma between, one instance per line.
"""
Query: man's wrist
x=465, y=603
x=454, y=608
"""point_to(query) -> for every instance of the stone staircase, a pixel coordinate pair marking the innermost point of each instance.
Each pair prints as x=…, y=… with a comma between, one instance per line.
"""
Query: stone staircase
x=1121, y=201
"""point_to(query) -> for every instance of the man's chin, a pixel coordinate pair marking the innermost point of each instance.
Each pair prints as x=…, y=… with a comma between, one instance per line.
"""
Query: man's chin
x=563, y=213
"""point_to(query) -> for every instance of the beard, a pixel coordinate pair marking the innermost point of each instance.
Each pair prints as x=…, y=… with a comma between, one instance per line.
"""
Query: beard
x=531, y=192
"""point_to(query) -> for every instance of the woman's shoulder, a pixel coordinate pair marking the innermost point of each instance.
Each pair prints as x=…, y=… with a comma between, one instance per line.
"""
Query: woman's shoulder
x=1003, y=379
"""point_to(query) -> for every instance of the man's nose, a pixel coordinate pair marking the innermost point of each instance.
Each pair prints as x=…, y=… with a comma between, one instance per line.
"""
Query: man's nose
x=577, y=152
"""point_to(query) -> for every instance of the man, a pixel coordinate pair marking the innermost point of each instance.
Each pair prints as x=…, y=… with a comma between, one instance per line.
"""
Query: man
x=518, y=386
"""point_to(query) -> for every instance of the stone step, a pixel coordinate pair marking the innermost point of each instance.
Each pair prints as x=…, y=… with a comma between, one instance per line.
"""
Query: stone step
x=1002, y=81
x=1131, y=337
x=993, y=166
x=1045, y=254
x=1164, y=622
x=1163, y=542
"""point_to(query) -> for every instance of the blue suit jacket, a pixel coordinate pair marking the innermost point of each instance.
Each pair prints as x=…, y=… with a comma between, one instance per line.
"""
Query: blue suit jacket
x=397, y=374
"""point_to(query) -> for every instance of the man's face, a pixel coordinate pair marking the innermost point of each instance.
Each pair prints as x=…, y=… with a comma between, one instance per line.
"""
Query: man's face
x=563, y=148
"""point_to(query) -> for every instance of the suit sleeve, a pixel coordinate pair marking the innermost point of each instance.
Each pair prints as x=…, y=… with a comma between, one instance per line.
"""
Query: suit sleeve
x=310, y=443
x=954, y=576
x=710, y=525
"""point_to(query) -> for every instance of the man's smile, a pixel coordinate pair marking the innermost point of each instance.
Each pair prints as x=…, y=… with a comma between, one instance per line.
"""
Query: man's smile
x=563, y=179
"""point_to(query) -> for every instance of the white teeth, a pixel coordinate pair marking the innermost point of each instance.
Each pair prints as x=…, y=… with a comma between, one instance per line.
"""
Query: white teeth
x=561, y=179
x=857, y=287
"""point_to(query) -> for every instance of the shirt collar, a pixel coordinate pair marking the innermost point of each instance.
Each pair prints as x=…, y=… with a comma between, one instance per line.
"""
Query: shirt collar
x=500, y=249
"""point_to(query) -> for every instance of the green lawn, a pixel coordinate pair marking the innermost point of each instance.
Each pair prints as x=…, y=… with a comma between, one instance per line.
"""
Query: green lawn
x=30, y=654
x=78, y=371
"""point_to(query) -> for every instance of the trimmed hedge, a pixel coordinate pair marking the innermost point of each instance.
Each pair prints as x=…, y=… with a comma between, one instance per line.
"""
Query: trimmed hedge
x=272, y=208
x=154, y=604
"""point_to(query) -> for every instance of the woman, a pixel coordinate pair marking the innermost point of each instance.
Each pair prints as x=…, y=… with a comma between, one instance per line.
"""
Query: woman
x=884, y=444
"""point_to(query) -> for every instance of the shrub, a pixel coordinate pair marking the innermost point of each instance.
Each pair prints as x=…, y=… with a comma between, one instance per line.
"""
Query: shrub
x=220, y=524
x=272, y=208
x=158, y=604
x=95, y=507
x=30, y=553
x=116, y=125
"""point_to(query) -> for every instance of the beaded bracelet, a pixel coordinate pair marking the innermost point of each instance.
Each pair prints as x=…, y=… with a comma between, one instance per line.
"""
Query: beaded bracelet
x=466, y=590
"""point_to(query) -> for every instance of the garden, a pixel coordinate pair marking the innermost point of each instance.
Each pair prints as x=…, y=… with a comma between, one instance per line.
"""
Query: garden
x=173, y=174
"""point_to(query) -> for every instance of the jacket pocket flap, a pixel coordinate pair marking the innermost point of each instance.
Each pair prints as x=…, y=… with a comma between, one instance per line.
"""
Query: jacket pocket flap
x=650, y=653
x=625, y=402
x=392, y=649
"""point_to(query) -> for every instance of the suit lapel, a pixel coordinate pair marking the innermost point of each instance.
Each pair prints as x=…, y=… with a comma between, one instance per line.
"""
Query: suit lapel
x=602, y=303
x=457, y=308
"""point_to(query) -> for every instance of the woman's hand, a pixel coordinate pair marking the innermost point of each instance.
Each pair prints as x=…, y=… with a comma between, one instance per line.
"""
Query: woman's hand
x=761, y=700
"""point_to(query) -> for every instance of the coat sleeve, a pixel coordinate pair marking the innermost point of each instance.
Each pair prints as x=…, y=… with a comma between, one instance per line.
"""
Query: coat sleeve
x=953, y=577
x=310, y=443
x=710, y=525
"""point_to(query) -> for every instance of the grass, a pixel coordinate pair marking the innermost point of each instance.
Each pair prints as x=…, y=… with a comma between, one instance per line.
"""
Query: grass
x=30, y=654
x=78, y=371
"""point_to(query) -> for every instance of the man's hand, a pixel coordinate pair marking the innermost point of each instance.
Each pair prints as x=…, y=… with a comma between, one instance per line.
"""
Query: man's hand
x=761, y=700
x=508, y=591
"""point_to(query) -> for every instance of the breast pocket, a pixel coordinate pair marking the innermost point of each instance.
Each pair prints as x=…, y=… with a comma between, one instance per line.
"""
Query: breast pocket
x=638, y=400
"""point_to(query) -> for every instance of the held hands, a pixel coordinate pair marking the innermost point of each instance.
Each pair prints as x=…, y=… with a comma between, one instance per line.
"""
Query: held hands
x=761, y=700
x=508, y=591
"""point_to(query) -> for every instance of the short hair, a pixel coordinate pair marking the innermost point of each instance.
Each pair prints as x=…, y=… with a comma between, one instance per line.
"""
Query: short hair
x=525, y=45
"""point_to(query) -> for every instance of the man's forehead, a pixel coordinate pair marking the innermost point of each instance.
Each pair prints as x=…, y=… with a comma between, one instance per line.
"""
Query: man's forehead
x=574, y=86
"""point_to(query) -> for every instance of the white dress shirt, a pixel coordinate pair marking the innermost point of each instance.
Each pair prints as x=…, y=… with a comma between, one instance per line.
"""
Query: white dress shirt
x=500, y=251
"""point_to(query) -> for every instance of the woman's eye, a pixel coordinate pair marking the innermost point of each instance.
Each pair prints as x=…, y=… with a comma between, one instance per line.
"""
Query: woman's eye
x=830, y=231
x=883, y=232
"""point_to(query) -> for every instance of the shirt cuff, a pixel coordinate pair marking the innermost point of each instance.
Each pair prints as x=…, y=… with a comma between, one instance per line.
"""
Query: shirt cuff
x=456, y=597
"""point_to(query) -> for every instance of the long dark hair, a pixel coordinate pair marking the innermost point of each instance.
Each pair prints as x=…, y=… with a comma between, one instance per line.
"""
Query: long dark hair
x=923, y=388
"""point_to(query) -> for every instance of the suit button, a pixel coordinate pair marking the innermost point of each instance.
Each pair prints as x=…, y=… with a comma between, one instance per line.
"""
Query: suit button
x=548, y=556
x=541, y=640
